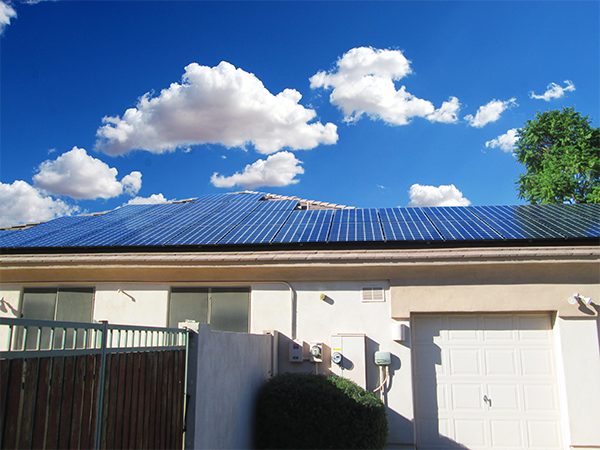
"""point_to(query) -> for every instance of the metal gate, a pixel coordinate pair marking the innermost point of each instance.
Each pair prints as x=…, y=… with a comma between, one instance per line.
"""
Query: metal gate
x=91, y=385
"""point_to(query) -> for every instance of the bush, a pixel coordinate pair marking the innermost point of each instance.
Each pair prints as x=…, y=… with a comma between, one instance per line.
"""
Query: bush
x=301, y=410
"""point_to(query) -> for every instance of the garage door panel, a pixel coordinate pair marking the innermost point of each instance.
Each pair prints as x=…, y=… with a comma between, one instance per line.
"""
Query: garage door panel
x=471, y=432
x=467, y=397
x=543, y=434
x=426, y=329
x=485, y=381
x=506, y=433
x=463, y=328
x=504, y=397
x=465, y=362
x=537, y=362
x=500, y=362
x=540, y=397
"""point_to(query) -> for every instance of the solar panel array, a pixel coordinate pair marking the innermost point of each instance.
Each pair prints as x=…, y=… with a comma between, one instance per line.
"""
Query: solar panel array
x=229, y=219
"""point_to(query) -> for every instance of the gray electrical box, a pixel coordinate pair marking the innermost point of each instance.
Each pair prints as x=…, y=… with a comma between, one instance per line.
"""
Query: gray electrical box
x=350, y=351
x=383, y=358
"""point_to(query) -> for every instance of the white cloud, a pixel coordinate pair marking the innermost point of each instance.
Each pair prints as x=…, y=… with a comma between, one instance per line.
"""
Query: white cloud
x=490, y=112
x=153, y=199
x=554, y=91
x=363, y=83
x=6, y=13
x=447, y=113
x=278, y=170
x=436, y=196
x=81, y=176
x=505, y=141
x=218, y=105
x=21, y=203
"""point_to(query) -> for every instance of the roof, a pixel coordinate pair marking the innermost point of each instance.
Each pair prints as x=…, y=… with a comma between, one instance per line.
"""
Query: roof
x=224, y=222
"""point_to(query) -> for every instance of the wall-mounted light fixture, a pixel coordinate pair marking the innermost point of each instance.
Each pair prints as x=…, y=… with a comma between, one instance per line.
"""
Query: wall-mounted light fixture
x=576, y=298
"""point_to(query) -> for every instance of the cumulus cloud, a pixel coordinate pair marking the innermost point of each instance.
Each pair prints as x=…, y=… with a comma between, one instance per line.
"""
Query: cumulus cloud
x=81, y=176
x=506, y=141
x=6, y=13
x=278, y=170
x=447, y=195
x=554, y=91
x=218, y=105
x=363, y=83
x=447, y=113
x=490, y=112
x=21, y=203
x=152, y=200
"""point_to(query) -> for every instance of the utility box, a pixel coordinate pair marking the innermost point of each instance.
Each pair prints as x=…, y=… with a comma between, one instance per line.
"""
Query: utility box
x=352, y=363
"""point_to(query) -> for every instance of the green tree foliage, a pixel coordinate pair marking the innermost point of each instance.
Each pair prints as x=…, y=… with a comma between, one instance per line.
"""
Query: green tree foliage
x=560, y=150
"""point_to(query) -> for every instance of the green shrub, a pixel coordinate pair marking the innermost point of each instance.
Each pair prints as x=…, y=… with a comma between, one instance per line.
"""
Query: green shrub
x=301, y=410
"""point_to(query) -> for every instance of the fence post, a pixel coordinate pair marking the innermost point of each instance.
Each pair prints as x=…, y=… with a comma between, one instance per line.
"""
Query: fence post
x=101, y=384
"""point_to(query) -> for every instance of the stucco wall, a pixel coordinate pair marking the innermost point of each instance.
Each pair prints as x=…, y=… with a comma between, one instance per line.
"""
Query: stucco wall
x=579, y=346
x=225, y=372
x=342, y=311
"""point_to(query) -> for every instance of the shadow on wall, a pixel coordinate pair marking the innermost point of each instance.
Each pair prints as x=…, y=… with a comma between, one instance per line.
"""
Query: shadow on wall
x=402, y=432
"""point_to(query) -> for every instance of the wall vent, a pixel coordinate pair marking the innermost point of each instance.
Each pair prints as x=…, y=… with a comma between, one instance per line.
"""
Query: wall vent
x=373, y=294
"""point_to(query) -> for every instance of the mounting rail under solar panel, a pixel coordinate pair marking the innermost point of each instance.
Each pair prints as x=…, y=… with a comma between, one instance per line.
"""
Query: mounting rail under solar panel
x=458, y=223
x=511, y=224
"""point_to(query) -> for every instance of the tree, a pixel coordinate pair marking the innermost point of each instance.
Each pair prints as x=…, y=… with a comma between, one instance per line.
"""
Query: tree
x=560, y=150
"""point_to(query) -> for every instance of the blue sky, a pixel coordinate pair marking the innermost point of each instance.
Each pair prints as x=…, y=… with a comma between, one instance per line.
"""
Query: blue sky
x=369, y=104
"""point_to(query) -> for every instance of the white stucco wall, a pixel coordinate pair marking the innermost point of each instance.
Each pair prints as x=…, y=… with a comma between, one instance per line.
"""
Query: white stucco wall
x=579, y=349
x=225, y=372
x=137, y=304
x=342, y=311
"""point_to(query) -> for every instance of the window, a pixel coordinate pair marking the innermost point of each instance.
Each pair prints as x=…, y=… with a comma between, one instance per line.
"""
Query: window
x=225, y=309
x=72, y=304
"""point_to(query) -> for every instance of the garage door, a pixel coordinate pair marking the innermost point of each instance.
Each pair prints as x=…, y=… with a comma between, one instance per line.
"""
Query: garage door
x=485, y=381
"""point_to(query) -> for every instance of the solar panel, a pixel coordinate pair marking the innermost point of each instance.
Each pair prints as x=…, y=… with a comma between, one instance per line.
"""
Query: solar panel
x=459, y=223
x=410, y=231
x=199, y=236
x=303, y=232
x=512, y=223
x=310, y=216
x=560, y=219
x=266, y=218
x=260, y=234
x=155, y=235
x=355, y=231
x=355, y=215
x=402, y=215
x=22, y=237
x=277, y=205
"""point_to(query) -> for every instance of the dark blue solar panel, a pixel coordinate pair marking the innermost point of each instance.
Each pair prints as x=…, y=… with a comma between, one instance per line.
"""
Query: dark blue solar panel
x=355, y=231
x=303, y=232
x=514, y=223
x=213, y=198
x=22, y=237
x=104, y=237
x=266, y=218
x=311, y=216
x=223, y=219
x=402, y=215
x=410, y=231
x=127, y=210
x=244, y=197
x=260, y=234
x=277, y=205
x=165, y=209
x=155, y=235
x=200, y=236
x=355, y=215
x=459, y=223
x=239, y=207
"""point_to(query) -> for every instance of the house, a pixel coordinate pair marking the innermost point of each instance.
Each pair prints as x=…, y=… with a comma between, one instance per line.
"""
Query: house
x=489, y=314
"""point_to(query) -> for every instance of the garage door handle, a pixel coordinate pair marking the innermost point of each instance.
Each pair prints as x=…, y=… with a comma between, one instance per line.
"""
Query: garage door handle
x=487, y=400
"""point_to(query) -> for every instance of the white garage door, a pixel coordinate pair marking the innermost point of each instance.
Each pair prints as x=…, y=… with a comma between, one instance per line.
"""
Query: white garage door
x=485, y=381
